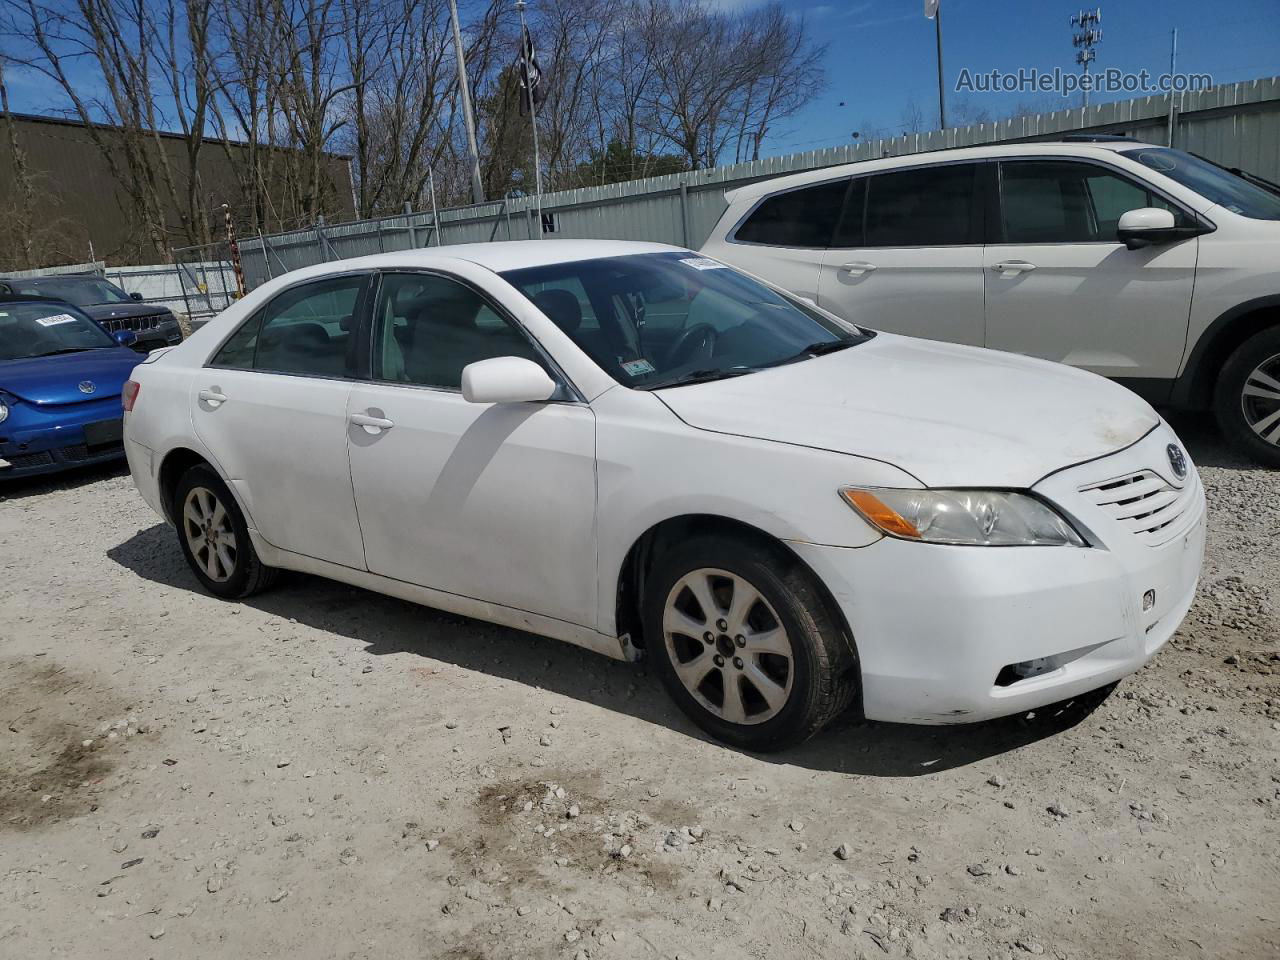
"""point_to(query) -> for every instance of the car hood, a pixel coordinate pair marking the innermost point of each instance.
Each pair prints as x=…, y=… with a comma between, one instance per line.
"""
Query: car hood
x=949, y=415
x=117, y=311
x=54, y=380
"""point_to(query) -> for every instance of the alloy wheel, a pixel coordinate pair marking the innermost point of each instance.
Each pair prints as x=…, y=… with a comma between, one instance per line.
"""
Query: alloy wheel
x=728, y=646
x=212, y=540
x=1260, y=400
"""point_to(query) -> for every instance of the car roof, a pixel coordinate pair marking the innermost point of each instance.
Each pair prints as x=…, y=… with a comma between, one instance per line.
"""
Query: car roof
x=498, y=256
x=1067, y=146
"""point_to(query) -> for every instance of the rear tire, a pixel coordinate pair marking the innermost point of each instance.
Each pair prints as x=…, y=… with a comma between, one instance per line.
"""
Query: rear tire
x=1247, y=398
x=214, y=537
x=776, y=668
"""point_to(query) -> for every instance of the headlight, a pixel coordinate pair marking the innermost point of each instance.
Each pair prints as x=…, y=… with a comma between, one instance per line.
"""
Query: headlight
x=984, y=518
x=4, y=411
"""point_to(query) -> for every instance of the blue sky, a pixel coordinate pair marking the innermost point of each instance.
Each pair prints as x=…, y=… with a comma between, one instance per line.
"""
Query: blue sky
x=881, y=52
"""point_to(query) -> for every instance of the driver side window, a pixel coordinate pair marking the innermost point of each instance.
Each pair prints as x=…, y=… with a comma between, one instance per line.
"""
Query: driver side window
x=428, y=328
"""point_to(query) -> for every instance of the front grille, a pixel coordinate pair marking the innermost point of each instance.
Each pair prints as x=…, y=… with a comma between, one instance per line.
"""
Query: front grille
x=22, y=460
x=136, y=324
x=1144, y=503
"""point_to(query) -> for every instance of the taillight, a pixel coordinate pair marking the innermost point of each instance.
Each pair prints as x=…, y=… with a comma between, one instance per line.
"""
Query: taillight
x=130, y=395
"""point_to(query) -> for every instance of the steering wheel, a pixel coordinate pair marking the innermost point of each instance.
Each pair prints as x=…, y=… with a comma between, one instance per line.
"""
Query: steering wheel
x=703, y=335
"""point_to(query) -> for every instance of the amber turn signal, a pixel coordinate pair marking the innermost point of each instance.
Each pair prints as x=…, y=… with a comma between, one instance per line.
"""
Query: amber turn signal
x=879, y=514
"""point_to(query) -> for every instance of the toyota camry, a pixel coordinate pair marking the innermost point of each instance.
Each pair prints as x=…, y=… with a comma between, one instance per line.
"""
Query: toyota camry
x=642, y=451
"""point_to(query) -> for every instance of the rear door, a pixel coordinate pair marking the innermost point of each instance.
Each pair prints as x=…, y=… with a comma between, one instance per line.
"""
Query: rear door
x=271, y=406
x=784, y=236
x=907, y=254
x=1061, y=286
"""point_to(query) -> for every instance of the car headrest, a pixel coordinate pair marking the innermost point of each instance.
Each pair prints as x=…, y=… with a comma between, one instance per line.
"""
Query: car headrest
x=562, y=307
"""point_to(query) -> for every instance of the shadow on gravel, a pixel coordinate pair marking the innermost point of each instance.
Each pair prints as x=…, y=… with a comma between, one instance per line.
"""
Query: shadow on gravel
x=386, y=625
x=45, y=483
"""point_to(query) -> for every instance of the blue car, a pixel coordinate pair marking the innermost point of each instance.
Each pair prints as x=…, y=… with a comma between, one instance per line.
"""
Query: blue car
x=61, y=379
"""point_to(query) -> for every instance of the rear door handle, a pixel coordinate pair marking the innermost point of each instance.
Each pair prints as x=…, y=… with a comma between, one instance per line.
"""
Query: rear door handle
x=371, y=424
x=213, y=397
x=1013, y=266
x=858, y=267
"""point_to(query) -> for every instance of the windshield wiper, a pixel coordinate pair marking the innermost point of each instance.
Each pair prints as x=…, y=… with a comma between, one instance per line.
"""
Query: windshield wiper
x=818, y=349
x=54, y=353
x=699, y=376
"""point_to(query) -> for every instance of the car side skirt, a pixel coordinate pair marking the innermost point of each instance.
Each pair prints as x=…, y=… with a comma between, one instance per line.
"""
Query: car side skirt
x=616, y=648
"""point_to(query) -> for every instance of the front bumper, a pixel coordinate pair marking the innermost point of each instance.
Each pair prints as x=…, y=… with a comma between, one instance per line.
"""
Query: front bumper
x=950, y=634
x=46, y=441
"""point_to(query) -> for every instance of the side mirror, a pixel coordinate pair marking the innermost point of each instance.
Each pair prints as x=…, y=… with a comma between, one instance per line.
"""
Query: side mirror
x=506, y=380
x=1146, y=226
x=126, y=338
x=135, y=295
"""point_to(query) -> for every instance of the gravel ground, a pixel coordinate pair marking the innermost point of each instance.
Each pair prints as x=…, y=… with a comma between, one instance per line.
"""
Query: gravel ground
x=323, y=772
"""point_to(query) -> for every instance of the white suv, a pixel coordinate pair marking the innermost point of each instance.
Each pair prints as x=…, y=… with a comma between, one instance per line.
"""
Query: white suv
x=1147, y=265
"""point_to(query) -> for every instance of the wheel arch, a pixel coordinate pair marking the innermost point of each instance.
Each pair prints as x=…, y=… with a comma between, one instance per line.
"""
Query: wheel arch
x=640, y=558
x=1194, y=388
x=175, y=463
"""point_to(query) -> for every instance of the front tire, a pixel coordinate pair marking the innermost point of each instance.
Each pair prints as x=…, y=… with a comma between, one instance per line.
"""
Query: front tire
x=1247, y=398
x=745, y=643
x=214, y=537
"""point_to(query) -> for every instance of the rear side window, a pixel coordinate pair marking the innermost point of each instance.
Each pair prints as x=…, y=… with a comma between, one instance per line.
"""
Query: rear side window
x=306, y=330
x=925, y=207
x=798, y=218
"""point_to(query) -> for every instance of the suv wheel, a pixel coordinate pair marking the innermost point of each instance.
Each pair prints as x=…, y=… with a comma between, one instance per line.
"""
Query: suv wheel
x=744, y=642
x=1247, y=398
x=215, y=538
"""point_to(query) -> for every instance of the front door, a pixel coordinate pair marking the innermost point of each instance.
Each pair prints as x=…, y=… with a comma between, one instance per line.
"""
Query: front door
x=907, y=255
x=490, y=501
x=1061, y=286
x=271, y=407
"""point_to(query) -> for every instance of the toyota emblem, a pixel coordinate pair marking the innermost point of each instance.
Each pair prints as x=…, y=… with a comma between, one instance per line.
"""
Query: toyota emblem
x=88, y=386
x=1177, y=460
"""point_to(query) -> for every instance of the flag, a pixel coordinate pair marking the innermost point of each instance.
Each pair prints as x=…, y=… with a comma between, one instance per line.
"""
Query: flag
x=532, y=89
x=930, y=8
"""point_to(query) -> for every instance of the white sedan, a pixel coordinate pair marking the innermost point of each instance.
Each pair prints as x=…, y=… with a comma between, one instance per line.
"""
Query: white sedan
x=639, y=450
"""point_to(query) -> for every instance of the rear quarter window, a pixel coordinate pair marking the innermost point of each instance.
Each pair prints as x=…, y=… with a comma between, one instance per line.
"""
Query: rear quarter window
x=805, y=217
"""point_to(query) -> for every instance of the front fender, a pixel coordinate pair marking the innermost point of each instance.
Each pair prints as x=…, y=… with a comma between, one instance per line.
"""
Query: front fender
x=651, y=467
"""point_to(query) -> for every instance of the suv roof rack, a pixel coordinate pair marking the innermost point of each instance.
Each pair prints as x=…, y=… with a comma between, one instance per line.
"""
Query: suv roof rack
x=1098, y=138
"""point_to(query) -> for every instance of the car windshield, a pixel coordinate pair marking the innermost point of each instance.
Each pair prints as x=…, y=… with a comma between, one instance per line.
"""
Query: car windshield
x=658, y=319
x=44, y=329
x=82, y=291
x=1210, y=181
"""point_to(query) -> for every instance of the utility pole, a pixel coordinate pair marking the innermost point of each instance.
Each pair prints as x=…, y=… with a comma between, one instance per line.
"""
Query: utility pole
x=1173, y=68
x=468, y=118
x=1089, y=36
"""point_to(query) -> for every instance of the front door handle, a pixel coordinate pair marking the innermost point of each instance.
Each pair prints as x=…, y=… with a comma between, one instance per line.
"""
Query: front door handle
x=213, y=396
x=858, y=267
x=371, y=424
x=1013, y=266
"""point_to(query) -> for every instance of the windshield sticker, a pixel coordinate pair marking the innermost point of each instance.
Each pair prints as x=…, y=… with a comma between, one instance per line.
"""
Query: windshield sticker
x=703, y=263
x=56, y=319
x=637, y=368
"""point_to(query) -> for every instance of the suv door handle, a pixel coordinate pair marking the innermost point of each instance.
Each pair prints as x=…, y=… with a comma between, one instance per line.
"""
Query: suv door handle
x=1013, y=266
x=858, y=267
x=213, y=397
x=372, y=425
